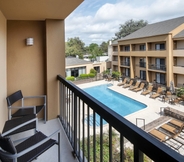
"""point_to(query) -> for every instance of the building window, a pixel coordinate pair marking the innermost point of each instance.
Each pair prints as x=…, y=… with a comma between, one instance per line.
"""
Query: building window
x=160, y=46
x=160, y=78
x=127, y=48
x=127, y=72
x=142, y=62
x=142, y=47
x=142, y=75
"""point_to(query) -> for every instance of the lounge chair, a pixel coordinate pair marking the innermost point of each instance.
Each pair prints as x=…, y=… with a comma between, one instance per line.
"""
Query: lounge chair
x=159, y=135
x=148, y=90
x=157, y=94
x=172, y=130
x=134, y=87
x=140, y=88
x=128, y=85
x=123, y=82
x=177, y=123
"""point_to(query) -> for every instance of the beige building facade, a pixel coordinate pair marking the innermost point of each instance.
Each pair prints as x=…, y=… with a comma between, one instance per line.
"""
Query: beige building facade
x=153, y=53
x=32, y=69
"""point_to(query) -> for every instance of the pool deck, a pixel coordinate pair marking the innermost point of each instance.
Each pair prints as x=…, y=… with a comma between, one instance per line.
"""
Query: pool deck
x=149, y=114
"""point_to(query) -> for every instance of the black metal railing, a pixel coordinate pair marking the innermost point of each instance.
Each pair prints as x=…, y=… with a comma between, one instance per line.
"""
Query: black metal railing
x=157, y=67
x=83, y=119
x=142, y=64
x=125, y=63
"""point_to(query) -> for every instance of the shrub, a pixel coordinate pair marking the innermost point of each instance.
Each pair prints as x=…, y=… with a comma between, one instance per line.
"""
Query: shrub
x=71, y=78
x=180, y=92
x=116, y=74
x=84, y=76
x=93, y=71
x=91, y=75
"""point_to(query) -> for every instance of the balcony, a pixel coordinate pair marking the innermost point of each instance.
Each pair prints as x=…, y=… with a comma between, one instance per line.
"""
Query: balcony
x=115, y=62
x=178, y=52
x=157, y=67
x=125, y=63
x=78, y=113
x=141, y=64
x=178, y=69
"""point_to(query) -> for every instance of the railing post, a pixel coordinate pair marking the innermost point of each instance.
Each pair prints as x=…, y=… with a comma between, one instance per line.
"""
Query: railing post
x=75, y=124
x=138, y=155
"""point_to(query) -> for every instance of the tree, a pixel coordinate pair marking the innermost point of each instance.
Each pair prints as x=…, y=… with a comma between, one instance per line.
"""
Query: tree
x=74, y=46
x=94, y=50
x=129, y=27
x=104, y=47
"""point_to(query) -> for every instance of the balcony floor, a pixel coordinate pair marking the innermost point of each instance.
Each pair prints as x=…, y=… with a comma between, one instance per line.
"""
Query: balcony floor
x=51, y=155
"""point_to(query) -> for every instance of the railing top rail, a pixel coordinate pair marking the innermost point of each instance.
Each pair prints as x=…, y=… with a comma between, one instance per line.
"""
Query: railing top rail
x=156, y=150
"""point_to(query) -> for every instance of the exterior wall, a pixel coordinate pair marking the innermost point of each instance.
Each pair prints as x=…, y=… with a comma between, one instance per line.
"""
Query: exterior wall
x=55, y=63
x=180, y=44
x=3, y=71
x=26, y=64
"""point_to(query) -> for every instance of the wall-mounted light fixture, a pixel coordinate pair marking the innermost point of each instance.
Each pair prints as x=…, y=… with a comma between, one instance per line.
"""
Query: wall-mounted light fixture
x=29, y=41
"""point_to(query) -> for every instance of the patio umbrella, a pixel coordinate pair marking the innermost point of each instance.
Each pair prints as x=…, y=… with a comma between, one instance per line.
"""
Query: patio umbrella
x=172, y=87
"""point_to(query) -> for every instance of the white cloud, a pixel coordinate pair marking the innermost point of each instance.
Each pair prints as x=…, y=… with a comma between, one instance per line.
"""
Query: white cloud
x=104, y=22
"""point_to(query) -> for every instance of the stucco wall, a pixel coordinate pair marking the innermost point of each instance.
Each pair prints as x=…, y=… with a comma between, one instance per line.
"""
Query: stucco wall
x=3, y=76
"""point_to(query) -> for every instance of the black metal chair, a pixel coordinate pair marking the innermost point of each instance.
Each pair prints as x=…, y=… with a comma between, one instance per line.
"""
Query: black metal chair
x=29, y=149
x=19, y=125
x=24, y=110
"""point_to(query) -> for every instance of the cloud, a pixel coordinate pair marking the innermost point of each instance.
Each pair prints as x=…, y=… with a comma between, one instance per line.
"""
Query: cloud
x=95, y=24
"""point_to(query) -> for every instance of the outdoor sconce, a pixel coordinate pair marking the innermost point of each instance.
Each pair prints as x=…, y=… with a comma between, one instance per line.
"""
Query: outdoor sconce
x=29, y=41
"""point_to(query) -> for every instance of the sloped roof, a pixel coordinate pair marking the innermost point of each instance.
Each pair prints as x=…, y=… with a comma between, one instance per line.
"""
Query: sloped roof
x=159, y=28
x=179, y=35
x=71, y=61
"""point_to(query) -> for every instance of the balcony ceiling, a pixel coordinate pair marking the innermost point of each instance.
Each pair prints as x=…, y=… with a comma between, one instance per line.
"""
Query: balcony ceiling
x=37, y=9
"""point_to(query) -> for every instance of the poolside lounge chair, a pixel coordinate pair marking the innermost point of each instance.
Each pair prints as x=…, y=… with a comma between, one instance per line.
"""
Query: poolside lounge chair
x=159, y=135
x=128, y=85
x=148, y=90
x=157, y=94
x=123, y=82
x=134, y=87
x=140, y=88
x=177, y=123
x=172, y=130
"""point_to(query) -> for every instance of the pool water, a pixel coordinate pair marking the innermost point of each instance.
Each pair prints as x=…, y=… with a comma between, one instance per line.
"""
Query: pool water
x=121, y=104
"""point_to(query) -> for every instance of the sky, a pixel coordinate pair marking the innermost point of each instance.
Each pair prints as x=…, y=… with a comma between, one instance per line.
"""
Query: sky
x=96, y=21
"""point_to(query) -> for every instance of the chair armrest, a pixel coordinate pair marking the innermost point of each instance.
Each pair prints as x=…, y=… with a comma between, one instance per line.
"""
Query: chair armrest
x=21, y=107
x=39, y=143
x=29, y=97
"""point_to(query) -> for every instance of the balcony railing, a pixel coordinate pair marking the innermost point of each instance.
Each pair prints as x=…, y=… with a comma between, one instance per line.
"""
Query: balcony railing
x=79, y=113
x=125, y=63
x=157, y=67
x=141, y=64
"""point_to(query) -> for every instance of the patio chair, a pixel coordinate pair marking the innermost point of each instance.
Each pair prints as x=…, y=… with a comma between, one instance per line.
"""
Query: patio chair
x=128, y=85
x=147, y=91
x=24, y=110
x=159, y=135
x=157, y=94
x=134, y=87
x=171, y=130
x=19, y=125
x=29, y=149
x=177, y=123
x=123, y=82
x=139, y=88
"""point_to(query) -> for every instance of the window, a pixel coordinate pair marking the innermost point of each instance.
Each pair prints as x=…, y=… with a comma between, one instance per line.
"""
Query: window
x=127, y=72
x=142, y=75
x=160, y=46
x=142, y=62
x=160, y=78
x=142, y=47
x=127, y=48
x=160, y=64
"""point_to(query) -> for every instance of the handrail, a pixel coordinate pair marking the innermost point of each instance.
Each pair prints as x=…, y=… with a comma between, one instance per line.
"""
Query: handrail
x=141, y=140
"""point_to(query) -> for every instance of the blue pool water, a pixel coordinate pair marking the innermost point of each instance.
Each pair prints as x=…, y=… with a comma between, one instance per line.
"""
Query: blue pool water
x=121, y=104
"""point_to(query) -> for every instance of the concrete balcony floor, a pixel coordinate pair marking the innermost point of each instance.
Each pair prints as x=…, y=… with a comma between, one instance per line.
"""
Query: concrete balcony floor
x=51, y=155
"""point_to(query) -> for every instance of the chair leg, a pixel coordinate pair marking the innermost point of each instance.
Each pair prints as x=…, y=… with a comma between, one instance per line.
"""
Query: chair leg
x=45, y=112
x=59, y=147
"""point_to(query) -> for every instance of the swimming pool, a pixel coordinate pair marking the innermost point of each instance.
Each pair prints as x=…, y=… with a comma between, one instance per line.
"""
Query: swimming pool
x=121, y=104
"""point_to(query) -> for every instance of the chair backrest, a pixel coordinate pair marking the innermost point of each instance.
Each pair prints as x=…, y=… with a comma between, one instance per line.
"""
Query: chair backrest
x=150, y=88
x=131, y=82
x=159, y=90
x=14, y=97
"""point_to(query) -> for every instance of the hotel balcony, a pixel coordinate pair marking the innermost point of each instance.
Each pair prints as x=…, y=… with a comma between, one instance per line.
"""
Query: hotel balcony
x=124, y=63
x=178, y=53
x=78, y=114
x=178, y=69
x=115, y=62
x=141, y=64
x=157, y=67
